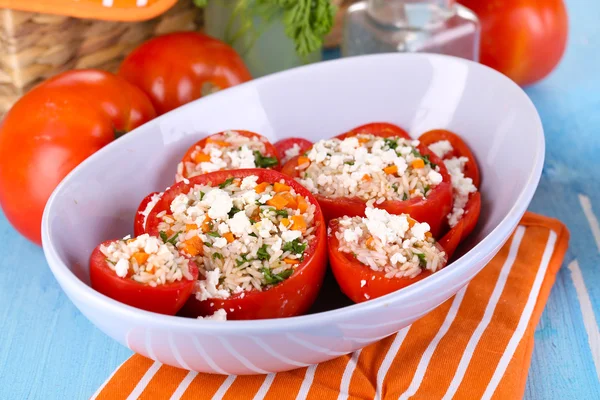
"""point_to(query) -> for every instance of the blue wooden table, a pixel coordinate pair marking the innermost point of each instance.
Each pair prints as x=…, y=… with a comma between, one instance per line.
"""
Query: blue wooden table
x=48, y=350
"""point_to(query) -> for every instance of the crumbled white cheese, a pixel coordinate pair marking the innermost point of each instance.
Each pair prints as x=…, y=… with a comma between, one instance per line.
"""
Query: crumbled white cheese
x=153, y=201
x=220, y=203
x=462, y=187
x=249, y=182
x=289, y=236
x=265, y=226
x=397, y=258
x=419, y=229
x=352, y=235
x=291, y=152
x=207, y=288
x=220, y=243
x=122, y=267
x=385, y=226
x=441, y=148
x=223, y=228
x=219, y=315
x=239, y=224
x=435, y=177
x=242, y=158
x=265, y=197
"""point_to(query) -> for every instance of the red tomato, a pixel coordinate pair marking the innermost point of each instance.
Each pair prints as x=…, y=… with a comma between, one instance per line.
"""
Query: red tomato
x=350, y=273
x=52, y=129
x=270, y=150
x=177, y=68
x=285, y=144
x=523, y=39
x=460, y=149
x=383, y=129
x=295, y=295
x=162, y=299
x=465, y=226
x=139, y=222
x=432, y=209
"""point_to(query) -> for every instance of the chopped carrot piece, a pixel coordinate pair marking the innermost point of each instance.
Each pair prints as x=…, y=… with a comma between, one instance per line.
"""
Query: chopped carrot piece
x=362, y=140
x=221, y=143
x=191, y=227
x=299, y=224
x=206, y=225
x=193, y=246
x=285, y=222
x=291, y=261
x=169, y=232
x=229, y=236
x=261, y=187
x=367, y=178
x=392, y=169
x=280, y=187
x=411, y=222
x=278, y=201
x=302, y=204
x=140, y=257
x=237, y=182
x=291, y=199
x=369, y=242
x=418, y=163
x=201, y=157
x=428, y=235
x=303, y=162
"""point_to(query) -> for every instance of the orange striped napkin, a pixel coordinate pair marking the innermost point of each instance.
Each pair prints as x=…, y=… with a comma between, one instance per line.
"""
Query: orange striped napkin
x=477, y=345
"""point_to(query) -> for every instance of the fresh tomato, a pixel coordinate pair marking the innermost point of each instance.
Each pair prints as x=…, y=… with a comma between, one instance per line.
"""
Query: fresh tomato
x=523, y=39
x=285, y=144
x=139, y=222
x=358, y=281
x=295, y=295
x=433, y=209
x=383, y=129
x=460, y=149
x=177, y=68
x=163, y=299
x=465, y=226
x=270, y=150
x=52, y=129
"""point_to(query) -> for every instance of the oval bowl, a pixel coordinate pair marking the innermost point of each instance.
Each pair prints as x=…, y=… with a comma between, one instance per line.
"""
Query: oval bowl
x=419, y=92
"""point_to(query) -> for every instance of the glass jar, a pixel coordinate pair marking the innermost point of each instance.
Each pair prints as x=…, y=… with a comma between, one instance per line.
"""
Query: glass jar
x=260, y=39
x=433, y=26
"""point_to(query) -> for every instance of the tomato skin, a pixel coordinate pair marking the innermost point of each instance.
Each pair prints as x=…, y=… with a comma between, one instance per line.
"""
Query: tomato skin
x=139, y=226
x=163, y=299
x=270, y=150
x=173, y=69
x=523, y=39
x=432, y=210
x=295, y=295
x=383, y=129
x=349, y=273
x=76, y=113
x=285, y=144
x=464, y=227
x=460, y=149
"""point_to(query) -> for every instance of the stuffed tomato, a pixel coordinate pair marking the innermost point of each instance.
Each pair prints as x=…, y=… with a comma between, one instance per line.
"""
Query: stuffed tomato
x=364, y=169
x=378, y=254
x=257, y=236
x=291, y=147
x=464, y=172
x=381, y=129
x=143, y=272
x=141, y=215
x=232, y=149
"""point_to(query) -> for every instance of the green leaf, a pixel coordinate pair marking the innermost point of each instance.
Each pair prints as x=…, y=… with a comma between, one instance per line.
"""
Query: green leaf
x=426, y=189
x=252, y=234
x=226, y=183
x=242, y=260
x=264, y=162
x=111, y=262
x=404, y=196
x=173, y=240
x=273, y=279
x=283, y=213
x=391, y=143
x=295, y=246
x=208, y=244
x=262, y=253
x=395, y=187
x=202, y=194
x=422, y=260
x=234, y=210
x=217, y=255
x=163, y=236
x=214, y=234
x=200, y=3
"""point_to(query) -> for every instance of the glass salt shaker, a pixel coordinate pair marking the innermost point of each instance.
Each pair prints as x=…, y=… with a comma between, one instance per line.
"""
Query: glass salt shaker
x=432, y=26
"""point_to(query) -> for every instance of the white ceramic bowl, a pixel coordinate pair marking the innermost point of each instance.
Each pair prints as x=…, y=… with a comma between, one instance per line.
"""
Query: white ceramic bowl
x=97, y=201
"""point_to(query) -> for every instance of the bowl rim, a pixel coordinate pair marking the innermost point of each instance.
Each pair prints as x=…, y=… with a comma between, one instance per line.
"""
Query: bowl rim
x=493, y=240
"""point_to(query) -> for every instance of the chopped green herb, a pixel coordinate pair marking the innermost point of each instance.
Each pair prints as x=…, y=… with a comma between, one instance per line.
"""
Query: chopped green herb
x=242, y=260
x=273, y=279
x=391, y=143
x=214, y=234
x=208, y=244
x=295, y=246
x=217, y=255
x=112, y=262
x=173, y=239
x=202, y=195
x=264, y=162
x=349, y=163
x=234, y=210
x=252, y=234
x=226, y=183
x=426, y=189
x=395, y=187
x=283, y=213
x=422, y=260
x=262, y=253
x=404, y=197
x=163, y=236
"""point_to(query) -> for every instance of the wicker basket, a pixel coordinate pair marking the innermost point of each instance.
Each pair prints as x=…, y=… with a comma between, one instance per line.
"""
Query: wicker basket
x=36, y=46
